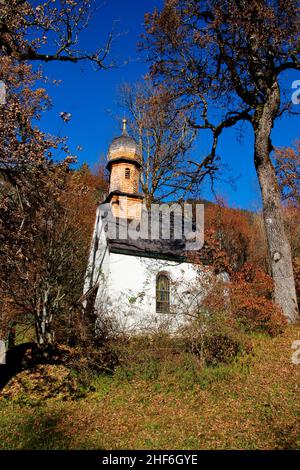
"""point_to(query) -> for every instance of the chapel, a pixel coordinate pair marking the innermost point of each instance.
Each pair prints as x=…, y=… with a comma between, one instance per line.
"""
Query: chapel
x=138, y=280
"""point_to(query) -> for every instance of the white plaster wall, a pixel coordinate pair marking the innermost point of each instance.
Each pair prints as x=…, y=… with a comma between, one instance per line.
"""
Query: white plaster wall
x=98, y=264
x=127, y=287
x=129, y=291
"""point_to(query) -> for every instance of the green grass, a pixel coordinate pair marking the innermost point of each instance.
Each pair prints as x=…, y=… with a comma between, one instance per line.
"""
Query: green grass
x=252, y=403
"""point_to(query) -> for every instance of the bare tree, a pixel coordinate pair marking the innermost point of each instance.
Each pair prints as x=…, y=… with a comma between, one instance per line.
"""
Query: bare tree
x=48, y=31
x=228, y=55
x=164, y=138
x=287, y=166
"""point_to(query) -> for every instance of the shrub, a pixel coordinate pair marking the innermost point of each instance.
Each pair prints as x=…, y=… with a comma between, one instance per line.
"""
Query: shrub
x=258, y=314
x=251, y=302
x=221, y=348
x=246, y=303
x=162, y=359
x=215, y=339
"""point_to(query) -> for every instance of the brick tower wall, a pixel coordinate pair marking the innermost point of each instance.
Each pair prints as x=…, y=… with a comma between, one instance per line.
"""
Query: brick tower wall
x=126, y=207
x=118, y=180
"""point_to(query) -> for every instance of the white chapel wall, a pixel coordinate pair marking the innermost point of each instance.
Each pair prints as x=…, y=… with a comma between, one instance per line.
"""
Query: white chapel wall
x=128, y=292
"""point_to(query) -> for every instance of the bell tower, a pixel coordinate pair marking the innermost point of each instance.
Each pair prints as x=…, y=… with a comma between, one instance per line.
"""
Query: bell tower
x=124, y=165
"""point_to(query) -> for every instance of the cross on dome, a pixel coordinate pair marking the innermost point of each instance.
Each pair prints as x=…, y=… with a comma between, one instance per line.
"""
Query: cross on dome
x=124, y=130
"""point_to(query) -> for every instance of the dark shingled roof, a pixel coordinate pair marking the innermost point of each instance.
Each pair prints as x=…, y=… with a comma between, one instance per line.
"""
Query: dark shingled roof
x=161, y=249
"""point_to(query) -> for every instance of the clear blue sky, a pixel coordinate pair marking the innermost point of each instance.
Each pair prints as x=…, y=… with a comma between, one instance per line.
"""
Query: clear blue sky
x=92, y=99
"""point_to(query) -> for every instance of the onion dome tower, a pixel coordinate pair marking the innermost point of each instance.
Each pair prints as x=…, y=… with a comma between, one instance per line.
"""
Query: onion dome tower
x=124, y=165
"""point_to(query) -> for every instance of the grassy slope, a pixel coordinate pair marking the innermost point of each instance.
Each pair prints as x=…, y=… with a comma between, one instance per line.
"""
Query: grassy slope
x=252, y=404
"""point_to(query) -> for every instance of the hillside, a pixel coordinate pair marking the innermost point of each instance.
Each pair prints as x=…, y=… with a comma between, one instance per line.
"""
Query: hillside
x=250, y=404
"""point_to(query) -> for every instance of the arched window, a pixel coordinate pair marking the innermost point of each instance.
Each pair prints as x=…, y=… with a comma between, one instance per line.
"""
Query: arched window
x=162, y=293
x=127, y=173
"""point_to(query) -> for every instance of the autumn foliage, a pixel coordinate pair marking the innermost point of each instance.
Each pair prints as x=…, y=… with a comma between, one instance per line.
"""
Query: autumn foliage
x=251, y=302
x=233, y=245
x=287, y=165
x=47, y=207
x=46, y=214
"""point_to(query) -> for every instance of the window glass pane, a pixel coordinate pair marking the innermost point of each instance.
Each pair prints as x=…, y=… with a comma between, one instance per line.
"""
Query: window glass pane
x=162, y=293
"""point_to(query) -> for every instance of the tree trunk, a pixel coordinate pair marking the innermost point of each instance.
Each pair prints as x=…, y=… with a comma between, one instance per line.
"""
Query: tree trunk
x=43, y=322
x=278, y=243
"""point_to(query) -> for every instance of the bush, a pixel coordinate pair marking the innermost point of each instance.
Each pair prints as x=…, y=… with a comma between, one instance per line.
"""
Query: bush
x=209, y=340
x=251, y=302
x=246, y=303
x=215, y=339
x=146, y=356
x=222, y=348
x=261, y=315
